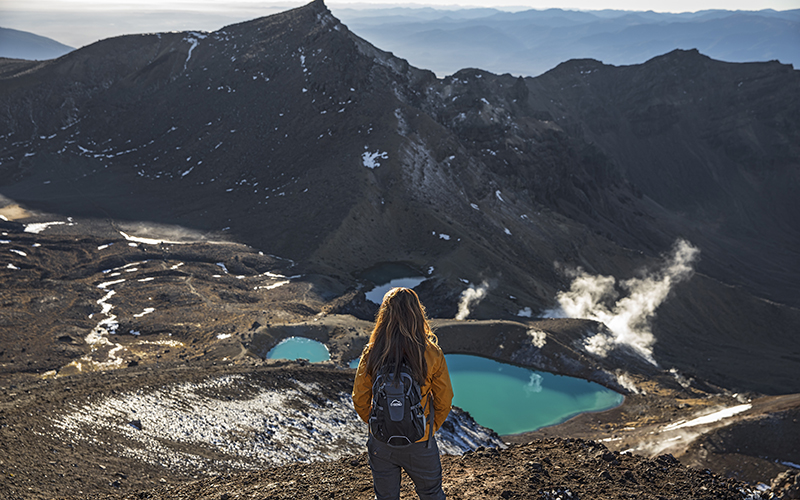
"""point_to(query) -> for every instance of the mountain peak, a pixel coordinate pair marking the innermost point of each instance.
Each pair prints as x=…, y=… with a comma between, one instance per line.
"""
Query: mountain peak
x=318, y=5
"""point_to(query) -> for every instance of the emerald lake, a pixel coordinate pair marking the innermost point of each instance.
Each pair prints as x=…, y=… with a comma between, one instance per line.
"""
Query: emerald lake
x=300, y=348
x=510, y=399
x=506, y=398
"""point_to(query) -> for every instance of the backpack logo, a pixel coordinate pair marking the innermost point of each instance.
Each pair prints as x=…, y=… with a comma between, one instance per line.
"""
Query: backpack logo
x=396, y=402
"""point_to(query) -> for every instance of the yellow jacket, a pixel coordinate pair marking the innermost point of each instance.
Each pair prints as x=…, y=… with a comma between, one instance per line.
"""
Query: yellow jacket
x=437, y=384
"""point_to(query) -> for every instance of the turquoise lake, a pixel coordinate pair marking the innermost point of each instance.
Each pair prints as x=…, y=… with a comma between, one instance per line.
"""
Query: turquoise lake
x=510, y=399
x=300, y=348
x=503, y=397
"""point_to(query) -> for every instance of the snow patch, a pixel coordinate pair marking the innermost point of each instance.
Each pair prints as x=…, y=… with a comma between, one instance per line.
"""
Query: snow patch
x=370, y=160
x=98, y=340
x=236, y=417
x=194, y=39
x=38, y=227
x=147, y=241
x=110, y=283
x=272, y=286
x=147, y=310
x=264, y=427
x=709, y=419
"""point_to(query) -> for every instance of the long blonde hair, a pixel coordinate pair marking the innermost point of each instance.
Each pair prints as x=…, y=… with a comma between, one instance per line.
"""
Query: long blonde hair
x=401, y=333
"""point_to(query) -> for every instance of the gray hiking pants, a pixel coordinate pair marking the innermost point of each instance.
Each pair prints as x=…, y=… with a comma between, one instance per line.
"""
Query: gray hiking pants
x=421, y=463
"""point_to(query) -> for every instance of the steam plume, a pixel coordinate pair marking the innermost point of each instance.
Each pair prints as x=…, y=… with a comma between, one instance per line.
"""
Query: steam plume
x=470, y=297
x=538, y=337
x=628, y=319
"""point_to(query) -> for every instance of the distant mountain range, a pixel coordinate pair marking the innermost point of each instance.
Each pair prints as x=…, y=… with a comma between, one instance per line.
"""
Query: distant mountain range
x=16, y=44
x=526, y=43
x=531, y=42
x=294, y=135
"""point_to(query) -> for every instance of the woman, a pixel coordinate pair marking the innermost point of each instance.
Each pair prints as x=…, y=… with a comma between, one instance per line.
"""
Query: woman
x=402, y=335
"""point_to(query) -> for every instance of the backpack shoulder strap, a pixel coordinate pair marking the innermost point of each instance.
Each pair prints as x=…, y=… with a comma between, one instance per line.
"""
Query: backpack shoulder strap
x=428, y=402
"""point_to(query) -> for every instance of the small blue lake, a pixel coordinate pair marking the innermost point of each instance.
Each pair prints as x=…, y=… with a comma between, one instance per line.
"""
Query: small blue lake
x=390, y=275
x=300, y=348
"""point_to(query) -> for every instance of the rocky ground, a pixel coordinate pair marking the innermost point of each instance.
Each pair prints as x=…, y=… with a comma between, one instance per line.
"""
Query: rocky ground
x=549, y=469
x=38, y=463
x=188, y=310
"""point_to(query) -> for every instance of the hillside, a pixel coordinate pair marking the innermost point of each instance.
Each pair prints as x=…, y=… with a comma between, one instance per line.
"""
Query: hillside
x=292, y=125
x=174, y=204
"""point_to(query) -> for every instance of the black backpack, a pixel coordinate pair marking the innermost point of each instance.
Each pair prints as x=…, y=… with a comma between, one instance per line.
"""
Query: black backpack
x=398, y=417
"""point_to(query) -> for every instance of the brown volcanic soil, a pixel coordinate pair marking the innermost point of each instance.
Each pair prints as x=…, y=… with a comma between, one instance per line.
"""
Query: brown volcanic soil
x=550, y=469
x=34, y=465
x=207, y=321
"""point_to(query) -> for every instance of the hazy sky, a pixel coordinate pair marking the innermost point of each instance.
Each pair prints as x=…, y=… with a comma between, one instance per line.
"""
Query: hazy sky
x=81, y=22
